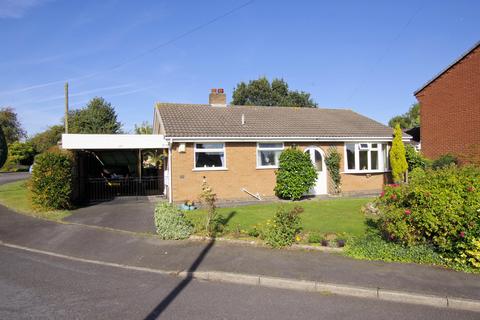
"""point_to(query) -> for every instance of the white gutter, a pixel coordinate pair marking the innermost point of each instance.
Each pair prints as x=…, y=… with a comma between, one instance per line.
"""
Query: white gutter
x=170, y=200
x=284, y=139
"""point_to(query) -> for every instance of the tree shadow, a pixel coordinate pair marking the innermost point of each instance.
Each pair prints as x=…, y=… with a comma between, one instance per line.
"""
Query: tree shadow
x=162, y=306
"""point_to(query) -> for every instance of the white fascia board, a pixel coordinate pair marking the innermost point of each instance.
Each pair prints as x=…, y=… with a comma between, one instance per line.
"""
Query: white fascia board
x=283, y=139
x=113, y=141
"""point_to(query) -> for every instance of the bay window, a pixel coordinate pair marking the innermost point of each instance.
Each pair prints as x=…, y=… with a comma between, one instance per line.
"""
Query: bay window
x=366, y=157
x=210, y=156
x=268, y=154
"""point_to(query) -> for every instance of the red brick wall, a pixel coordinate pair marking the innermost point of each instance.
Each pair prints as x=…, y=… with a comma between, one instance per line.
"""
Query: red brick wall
x=450, y=109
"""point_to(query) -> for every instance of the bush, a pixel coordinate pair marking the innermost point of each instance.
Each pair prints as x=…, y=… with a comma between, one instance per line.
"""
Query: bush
x=444, y=161
x=284, y=228
x=295, y=175
x=398, y=162
x=332, y=161
x=439, y=208
x=209, y=199
x=314, y=237
x=51, y=183
x=171, y=223
x=415, y=159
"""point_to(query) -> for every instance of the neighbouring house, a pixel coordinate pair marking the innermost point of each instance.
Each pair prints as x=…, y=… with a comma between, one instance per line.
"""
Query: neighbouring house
x=235, y=149
x=450, y=108
x=415, y=134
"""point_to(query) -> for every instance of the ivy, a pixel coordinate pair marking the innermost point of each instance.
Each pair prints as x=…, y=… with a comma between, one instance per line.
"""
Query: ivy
x=332, y=161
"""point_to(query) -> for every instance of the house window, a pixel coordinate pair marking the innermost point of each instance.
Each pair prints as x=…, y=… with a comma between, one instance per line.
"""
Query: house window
x=210, y=156
x=366, y=156
x=268, y=154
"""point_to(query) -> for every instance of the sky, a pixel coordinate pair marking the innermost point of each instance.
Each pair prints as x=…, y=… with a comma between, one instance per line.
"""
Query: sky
x=368, y=56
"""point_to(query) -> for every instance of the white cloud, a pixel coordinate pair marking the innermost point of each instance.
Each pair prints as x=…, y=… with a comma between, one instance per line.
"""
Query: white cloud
x=17, y=8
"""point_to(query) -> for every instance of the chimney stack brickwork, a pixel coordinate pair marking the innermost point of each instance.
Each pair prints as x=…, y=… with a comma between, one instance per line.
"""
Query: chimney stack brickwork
x=217, y=97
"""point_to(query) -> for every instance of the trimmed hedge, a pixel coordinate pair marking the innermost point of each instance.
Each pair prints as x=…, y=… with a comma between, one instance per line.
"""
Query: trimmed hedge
x=51, y=183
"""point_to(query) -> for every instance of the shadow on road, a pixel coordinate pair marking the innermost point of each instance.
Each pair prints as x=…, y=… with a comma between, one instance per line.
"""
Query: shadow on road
x=157, y=311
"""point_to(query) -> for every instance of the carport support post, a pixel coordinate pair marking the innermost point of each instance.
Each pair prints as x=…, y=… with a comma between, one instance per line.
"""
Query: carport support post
x=140, y=164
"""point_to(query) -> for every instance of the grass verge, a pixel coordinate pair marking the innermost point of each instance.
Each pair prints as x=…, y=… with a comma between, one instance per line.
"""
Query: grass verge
x=14, y=195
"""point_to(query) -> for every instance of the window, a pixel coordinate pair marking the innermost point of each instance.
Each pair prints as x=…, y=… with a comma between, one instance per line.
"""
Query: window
x=365, y=156
x=210, y=156
x=268, y=154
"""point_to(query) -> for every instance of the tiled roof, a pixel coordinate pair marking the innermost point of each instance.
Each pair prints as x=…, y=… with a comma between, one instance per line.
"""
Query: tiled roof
x=203, y=120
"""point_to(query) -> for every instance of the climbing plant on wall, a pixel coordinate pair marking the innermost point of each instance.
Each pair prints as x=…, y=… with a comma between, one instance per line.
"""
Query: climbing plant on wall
x=332, y=161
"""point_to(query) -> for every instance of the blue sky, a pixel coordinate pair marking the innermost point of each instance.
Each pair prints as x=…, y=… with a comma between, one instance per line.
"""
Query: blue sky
x=369, y=56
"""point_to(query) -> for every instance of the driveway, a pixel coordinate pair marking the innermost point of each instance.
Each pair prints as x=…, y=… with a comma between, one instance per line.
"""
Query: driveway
x=7, y=177
x=129, y=215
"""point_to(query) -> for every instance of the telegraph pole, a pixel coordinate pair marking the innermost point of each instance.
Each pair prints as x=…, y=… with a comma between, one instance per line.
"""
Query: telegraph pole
x=66, y=107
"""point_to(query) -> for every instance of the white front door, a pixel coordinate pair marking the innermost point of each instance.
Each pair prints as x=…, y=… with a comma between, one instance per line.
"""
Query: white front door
x=318, y=159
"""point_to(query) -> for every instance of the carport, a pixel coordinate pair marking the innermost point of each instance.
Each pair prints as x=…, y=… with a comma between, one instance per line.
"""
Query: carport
x=117, y=165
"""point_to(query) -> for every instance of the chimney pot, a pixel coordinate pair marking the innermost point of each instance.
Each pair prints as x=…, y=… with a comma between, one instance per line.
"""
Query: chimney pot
x=217, y=98
x=214, y=90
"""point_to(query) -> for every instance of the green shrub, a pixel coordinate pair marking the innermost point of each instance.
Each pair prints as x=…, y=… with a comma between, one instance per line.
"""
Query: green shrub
x=314, y=237
x=171, y=223
x=281, y=232
x=398, y=162
x=415, y=159
x=444, y=161
x=295, y=175
x=332, y=161
x=373, y=247
x=439, y=208
x=51, y=182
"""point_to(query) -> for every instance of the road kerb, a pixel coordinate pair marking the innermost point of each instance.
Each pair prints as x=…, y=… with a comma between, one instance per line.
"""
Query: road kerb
x=413, y=298
x=347, y=290
x=281, y=283
x=233, y=278
x=464, y=304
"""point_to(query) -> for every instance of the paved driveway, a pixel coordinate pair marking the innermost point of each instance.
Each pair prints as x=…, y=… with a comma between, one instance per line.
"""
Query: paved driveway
x=130, y=215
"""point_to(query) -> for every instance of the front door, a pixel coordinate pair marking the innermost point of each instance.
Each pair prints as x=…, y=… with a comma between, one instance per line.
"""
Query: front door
x=318, y=159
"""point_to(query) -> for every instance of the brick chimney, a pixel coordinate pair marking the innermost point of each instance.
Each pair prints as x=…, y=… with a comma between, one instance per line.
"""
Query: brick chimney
x=217, y=98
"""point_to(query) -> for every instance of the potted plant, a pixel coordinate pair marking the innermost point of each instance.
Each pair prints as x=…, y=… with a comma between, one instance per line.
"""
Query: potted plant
x=188, y=205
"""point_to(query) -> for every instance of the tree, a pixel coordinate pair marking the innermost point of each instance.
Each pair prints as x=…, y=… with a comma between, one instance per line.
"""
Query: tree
x=3, y=148
x=407, y=120
x=21, y=153
x=44, y=140
x=398, y=161
x=12, y=128
x=143, y=128
x=261, y=92
x=97, y=117
x=295, y=174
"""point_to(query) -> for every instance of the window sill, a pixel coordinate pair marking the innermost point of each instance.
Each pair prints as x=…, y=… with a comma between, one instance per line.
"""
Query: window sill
x=266, y=168
x=209, y=169
x=364, y=171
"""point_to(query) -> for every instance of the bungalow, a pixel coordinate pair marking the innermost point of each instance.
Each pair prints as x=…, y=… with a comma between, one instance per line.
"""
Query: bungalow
x=236, y=149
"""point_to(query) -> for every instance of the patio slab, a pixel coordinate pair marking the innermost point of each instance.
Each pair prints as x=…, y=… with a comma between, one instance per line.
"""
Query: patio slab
x=130, y=215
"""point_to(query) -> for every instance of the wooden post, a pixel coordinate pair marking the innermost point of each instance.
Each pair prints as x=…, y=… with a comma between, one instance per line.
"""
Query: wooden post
x=66, y=107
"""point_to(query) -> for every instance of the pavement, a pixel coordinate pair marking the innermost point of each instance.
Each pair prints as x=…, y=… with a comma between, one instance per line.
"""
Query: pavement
x=44, y=287
x=6, y=177
x=177, y=256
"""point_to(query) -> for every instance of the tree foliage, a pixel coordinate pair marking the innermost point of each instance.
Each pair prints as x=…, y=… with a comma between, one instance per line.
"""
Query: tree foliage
x=261, y=92
x=143, y=128
x=97, y=117
x=44, y=140
x=332, y=161
x=12, y=128
x=398, y=161
x=3, y=148
x=415, y=159
x=407, y=120
x=21, y=153
x=295, y=174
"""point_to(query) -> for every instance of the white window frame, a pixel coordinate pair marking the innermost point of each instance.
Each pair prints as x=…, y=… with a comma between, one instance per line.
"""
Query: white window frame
x=358, y=148
x=195, y=150
x=259, y=162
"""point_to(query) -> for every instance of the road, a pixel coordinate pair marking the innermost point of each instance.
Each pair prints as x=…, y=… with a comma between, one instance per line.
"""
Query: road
x=14, y=176
x=38, y=286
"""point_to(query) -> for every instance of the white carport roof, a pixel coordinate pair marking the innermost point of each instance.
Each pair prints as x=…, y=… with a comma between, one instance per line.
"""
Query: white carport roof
x=113, y=141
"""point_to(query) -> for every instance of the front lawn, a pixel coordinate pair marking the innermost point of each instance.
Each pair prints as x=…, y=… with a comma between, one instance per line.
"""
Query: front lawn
x=340, y=216
x=15, y=196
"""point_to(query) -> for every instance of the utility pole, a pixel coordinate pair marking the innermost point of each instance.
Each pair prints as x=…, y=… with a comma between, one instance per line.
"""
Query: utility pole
x=66, y=107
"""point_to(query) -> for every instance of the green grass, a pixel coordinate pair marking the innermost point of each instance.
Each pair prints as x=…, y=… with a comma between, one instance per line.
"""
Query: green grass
x=15, y=196
x=323, y=216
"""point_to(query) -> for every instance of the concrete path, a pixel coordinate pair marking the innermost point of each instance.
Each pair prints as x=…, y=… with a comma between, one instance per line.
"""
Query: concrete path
x=143, y=251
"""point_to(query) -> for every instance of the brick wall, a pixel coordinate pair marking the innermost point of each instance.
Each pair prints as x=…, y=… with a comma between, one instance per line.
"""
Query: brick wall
x=450, y=109
x=242, y=173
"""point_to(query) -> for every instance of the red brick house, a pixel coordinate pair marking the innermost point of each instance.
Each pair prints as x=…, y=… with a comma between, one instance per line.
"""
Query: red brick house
x=450, y=108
